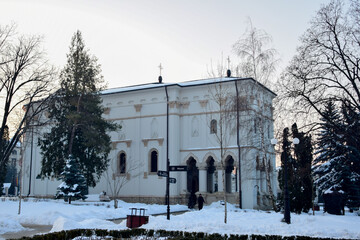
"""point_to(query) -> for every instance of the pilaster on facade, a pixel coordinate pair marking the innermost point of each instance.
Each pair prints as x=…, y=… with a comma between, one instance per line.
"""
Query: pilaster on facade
x=202, y=184
x=220, y=180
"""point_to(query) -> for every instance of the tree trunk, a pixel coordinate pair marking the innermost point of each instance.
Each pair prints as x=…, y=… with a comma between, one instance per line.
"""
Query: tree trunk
x=71, y=142
x=225, y=199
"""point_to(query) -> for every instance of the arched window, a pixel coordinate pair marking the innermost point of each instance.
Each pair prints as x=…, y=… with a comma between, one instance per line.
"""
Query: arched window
x=153, y=161
x=122, y=163
x=213, y=126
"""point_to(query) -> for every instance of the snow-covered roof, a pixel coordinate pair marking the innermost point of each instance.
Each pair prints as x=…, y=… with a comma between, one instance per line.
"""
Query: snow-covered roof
x=182, y=84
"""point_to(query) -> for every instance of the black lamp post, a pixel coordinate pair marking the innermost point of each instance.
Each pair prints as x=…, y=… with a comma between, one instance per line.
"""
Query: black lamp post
x=284, y=158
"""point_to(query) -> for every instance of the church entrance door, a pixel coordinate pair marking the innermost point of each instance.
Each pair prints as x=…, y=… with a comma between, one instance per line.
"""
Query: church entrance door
x=192, y=176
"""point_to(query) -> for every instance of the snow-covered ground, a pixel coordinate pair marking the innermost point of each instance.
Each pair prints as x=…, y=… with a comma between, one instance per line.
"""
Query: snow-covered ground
x=88, y=214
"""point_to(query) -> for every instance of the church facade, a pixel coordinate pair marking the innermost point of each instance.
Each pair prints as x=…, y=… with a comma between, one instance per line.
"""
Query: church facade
x=198, y=126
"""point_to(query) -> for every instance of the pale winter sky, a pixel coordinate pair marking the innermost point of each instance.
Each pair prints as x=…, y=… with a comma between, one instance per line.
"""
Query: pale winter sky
x=130, y=38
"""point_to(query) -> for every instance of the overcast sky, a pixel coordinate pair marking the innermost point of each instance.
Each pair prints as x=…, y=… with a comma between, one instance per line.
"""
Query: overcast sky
x=131, y=38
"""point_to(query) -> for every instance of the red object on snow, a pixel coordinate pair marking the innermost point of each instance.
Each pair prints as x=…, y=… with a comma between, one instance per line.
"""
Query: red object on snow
x=137, y=218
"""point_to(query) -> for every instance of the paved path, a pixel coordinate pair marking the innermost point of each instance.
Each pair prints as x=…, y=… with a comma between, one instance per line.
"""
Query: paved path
x=33, y=230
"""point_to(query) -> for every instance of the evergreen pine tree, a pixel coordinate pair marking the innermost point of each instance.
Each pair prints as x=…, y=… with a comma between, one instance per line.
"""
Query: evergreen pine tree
x=338, y=165
x=78, y=126
x=73, y=184
x=301, y=200
x=351, y=171
x=328, y=167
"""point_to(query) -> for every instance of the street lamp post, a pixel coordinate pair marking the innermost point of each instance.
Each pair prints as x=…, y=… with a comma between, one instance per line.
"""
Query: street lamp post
x=284, y=158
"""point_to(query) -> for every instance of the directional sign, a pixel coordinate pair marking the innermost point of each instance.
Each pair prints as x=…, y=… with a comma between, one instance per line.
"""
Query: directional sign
x=177, y=168
x=172, y=180
x=162, y=174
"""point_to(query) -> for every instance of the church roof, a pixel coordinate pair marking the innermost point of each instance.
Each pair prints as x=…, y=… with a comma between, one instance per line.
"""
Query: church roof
x=181, y=84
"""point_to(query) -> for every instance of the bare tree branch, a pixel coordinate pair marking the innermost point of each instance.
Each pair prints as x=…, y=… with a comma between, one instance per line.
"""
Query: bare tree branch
x=25, y=82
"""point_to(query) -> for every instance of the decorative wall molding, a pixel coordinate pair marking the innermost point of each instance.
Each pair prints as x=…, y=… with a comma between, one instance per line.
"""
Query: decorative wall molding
x=138, y=107
x=185, y=105
x=172, y=104
x=107, y=110
x=128, y=143
x=203, y=103
x=147, y=140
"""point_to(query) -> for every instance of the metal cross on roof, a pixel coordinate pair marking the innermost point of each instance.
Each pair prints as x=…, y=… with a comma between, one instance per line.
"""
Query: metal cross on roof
x=228, y=60
x=160, y=68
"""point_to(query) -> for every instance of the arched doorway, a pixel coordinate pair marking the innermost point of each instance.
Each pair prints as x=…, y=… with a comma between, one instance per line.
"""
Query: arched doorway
x=229, y=167
x=192, y=176
x=210, y=162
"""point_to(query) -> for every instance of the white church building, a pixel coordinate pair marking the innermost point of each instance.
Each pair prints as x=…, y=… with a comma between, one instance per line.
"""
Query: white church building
x=185, y=123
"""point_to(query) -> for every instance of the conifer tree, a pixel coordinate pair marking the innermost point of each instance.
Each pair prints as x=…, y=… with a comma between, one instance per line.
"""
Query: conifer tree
x=351, y=172
x=338, y=165
x=73, y=184
x=328, y=165
x=299, y=159
x=76, y=113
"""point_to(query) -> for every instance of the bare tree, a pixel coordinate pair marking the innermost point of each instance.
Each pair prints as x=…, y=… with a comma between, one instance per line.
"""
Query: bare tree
x=117, y=180
x=327, y=64
x=25, y=79
x=257, y=59
x=219, y=95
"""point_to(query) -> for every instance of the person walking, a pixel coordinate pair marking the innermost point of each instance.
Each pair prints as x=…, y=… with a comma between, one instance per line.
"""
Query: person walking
x=200, y=201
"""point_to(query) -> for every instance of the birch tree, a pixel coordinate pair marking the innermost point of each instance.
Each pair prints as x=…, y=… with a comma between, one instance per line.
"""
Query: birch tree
x=258, y=60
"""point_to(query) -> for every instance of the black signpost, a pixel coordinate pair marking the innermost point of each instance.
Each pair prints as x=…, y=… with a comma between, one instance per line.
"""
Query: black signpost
x=165, y=174
x=177, y=168
x=162, y=174
x=170, y=180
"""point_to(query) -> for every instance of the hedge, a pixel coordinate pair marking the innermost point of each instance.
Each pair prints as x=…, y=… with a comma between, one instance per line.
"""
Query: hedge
x=154, y=234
